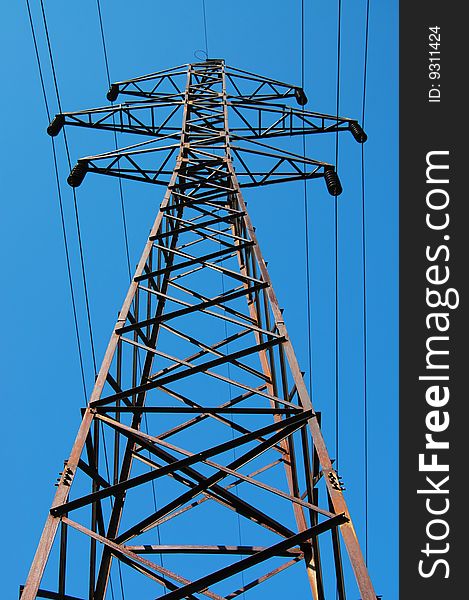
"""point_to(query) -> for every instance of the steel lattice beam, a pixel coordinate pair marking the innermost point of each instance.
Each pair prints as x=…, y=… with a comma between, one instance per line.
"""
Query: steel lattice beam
x=200, y=321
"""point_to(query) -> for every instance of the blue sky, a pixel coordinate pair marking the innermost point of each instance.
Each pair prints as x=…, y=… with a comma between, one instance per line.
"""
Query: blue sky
x=41, y=387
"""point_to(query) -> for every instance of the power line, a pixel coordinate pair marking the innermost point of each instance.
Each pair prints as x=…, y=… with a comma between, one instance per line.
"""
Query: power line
x=126, y=244
x=38, y=59
x=50, y=54
x=75, y=203
x=365, y=320
x=62, y=214
x=72, y=295
x=230, y=394
x=106, y=462
x=339, y=36
x=205, y=27
x=61, y=210
x=306, y=213
x=103, y=40
x=121, y=191
x=336, y=240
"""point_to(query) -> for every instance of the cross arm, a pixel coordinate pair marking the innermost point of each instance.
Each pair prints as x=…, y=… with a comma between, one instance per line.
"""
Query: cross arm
x=256, y=120
x=155, y=118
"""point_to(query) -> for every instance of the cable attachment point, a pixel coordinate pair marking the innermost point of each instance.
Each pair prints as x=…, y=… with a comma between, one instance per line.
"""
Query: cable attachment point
x=201, y=55
x=113, y=92
x=77, y=174
x=357, y=132
x=300, y=96
x=56, y=125
x=333, y=184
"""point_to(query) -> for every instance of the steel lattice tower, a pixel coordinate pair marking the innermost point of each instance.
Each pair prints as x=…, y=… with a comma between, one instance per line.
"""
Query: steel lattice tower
x=200, y=405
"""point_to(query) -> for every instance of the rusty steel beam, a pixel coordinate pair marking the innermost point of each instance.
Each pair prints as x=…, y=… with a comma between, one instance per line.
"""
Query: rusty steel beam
x=200, y=354
x=254, y=559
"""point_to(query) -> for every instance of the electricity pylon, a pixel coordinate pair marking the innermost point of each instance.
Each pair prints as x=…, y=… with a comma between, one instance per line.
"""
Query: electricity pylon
x=200, y=430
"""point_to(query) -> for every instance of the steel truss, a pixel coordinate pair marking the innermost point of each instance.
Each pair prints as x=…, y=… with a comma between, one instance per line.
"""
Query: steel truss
x=200, y=396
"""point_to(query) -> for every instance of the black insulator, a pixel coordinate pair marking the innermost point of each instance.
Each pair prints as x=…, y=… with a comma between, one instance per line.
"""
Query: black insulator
x=358, y=132
x=300, y=96
x=77, y=174
x=56, y=125
x=333, y=182
x=113, y=92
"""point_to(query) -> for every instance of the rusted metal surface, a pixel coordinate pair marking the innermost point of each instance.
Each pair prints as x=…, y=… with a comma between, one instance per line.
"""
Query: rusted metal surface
x=200, y=378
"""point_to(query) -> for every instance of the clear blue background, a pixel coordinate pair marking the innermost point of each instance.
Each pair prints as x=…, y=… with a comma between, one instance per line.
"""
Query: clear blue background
x=41, y=388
